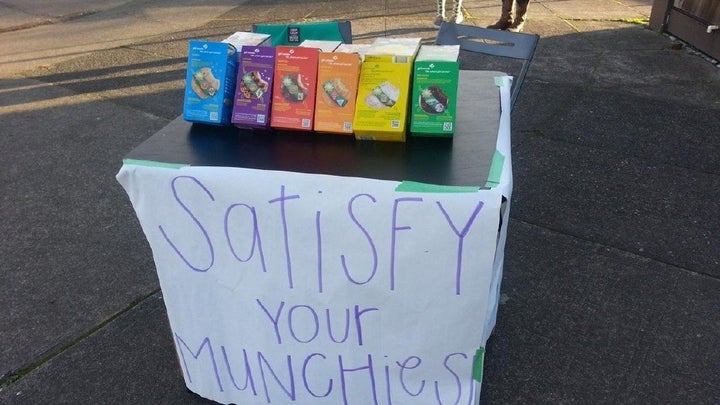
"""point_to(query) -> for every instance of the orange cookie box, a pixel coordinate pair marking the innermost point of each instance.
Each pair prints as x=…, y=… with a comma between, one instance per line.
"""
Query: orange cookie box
x=337, y=82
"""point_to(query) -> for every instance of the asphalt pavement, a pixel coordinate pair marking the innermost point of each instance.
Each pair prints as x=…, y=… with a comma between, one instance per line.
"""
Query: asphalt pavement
x=611, y=289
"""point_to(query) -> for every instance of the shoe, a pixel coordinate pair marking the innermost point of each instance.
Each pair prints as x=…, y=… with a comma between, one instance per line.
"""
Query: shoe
x=458, y=18
x=457, y=14
x=440, y=15
x=516, y=27
x=438, y=21
x=506, y=20
x=501, y=24
x=520, y=16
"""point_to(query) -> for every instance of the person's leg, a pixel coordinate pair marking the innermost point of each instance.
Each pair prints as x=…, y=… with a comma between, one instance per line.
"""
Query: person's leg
x=457, y=15
x=518, y=23
x=506, y=19
x=440, y=17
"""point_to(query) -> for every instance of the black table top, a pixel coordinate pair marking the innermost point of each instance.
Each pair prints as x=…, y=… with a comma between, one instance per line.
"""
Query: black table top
x=463, y=160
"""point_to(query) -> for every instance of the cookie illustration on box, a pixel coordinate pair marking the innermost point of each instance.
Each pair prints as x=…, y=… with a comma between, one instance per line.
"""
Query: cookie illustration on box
x=335, y=93
x=382, y=96
x=432, y=100
x=253, y=85
x=204, y=83
x=293, y=88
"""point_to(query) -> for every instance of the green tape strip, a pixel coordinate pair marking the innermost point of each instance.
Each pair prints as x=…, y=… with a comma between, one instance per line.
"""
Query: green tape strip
x=499, y=81
x=496, y=168
x=478, y=360
x=152, y=163
x=415, y=187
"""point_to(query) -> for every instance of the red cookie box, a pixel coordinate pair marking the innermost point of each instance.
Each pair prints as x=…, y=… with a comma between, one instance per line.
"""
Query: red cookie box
x=295, y=79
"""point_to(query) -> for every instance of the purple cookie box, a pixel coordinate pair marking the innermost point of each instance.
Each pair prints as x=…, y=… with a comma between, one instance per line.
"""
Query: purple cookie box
x=250, y=110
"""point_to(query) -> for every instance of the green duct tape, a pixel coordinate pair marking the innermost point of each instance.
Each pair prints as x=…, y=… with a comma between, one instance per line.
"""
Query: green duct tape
x=415, y=187
x=499, y=81
x=496, y=168
x=152, y=163
x=478, y=360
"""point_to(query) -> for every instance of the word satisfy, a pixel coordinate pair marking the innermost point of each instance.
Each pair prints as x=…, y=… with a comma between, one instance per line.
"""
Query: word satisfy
x=252, y=233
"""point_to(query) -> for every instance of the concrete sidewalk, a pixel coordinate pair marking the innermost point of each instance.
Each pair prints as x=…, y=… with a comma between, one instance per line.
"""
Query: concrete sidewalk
x=611, y=291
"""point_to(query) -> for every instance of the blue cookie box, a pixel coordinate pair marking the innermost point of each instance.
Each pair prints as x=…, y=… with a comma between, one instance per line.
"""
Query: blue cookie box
x=218, y=58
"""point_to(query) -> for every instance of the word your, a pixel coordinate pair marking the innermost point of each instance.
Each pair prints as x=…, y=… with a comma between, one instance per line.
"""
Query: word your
x=275, y=316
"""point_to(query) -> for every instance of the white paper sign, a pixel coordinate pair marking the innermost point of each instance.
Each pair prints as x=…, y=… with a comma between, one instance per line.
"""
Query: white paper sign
x=294, y=288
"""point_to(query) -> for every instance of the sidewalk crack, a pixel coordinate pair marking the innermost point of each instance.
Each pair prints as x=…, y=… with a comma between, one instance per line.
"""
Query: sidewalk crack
x=13, y=376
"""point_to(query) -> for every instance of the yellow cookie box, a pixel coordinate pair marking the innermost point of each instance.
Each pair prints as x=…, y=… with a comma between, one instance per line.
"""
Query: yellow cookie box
x=381, y=111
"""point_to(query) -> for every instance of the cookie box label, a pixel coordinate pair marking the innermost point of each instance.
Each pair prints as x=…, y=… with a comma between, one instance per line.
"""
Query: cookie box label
x=338, y=75
x=382, y=101
x=294, y=86
x=210, y=82
x=253, y=93
x=434, y=98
